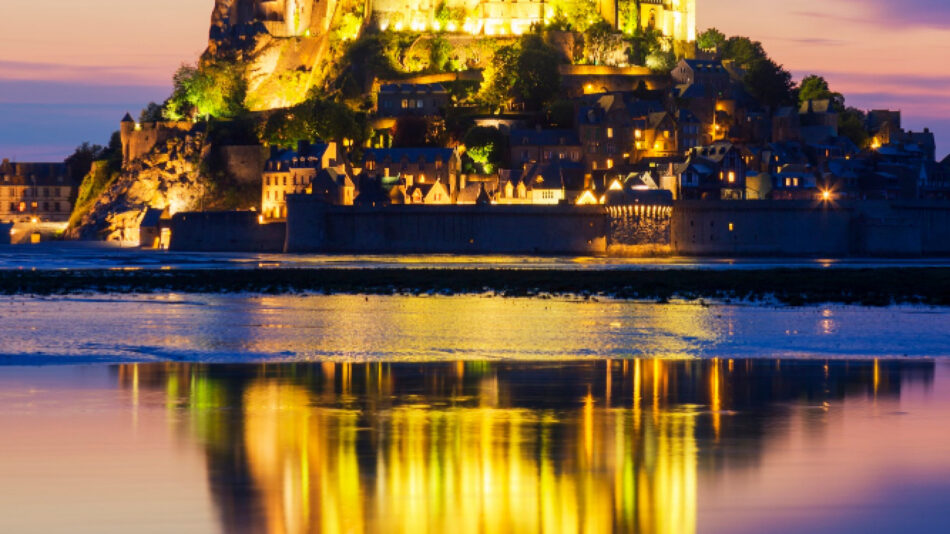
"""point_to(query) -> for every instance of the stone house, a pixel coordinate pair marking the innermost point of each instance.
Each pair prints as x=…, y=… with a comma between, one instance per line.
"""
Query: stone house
x=42, y=191
x=398, y=100
x=414, y=166
x=529, y=147
x=289, y=172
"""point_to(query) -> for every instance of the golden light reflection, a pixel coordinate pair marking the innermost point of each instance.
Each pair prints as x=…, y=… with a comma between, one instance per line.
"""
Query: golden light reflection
x=471, y=447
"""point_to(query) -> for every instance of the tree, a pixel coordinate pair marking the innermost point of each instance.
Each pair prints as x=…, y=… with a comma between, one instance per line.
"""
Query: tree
x=486, y=147
x=629, y=16
x=770, y=84
x=152, y=113
x=313, y=119
x=537, y=76
x=500, y=76
x=816, y=88
x=711, y=39
x=215, y=89
x=80, y=161
x=600, y=43
x=851, y=124
x=743, y=51
x=439, y=50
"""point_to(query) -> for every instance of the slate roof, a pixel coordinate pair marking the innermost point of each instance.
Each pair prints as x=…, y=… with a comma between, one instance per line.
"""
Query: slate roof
x=429, y=155
x=413, y=88
x=544, y=138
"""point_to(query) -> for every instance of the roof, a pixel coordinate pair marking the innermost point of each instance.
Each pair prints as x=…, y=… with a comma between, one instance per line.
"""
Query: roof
x=412, y=88
x=304, y=152
x=42, y=174
x=127, y=118
x=428, y=154
x=544, y=138
x=706, y=66
x=816, y=106
x=558, y=174
x=473, y=193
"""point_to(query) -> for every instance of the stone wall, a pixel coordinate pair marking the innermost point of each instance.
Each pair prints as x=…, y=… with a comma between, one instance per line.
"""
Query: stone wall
x=313, y=226
x=138, y=139
x=225, y=231
x=809, y=228
x=243, y=163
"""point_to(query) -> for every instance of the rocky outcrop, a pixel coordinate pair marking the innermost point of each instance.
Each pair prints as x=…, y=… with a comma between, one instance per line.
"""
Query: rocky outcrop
x=169, y=176
x=281, y=43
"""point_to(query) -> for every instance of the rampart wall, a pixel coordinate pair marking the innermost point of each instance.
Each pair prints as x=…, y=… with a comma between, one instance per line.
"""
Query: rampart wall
x=314, y=226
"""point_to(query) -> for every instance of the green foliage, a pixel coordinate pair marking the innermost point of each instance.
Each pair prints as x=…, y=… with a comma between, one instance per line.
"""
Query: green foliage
x=500, y=76
x=661, y=61
x=486, y=147
x=152, y=113
x=580, y=14
x=644, y=43
x=439, y=50
x=214, y=89
x=601, y=42
x=851, y=124
x=444, y=15
x=313, y=119
x=770, y=84
x=816, y=88
x=711, y=39
x=100, y=176
x=80, y=161
x=629, y=16
x=743, y=51
x=537, y=77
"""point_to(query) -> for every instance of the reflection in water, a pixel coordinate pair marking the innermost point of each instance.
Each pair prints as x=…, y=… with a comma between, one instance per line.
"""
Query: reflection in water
x=490, y=447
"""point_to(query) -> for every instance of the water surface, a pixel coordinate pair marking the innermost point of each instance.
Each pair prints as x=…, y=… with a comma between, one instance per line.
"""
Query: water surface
x=664, y=446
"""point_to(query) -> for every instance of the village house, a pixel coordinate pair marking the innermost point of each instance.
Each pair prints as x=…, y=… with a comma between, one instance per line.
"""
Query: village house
x=35, y=191
x=541, y=146
x=415, y=166
x=398, y=100
x=289, y=172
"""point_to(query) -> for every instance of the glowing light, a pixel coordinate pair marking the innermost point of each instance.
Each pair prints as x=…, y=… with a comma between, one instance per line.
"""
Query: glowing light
x=34, y=220
x=826, y=195
x=451, y=26
x=398, y=27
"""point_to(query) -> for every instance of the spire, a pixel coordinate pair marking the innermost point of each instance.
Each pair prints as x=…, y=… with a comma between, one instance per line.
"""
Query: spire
x=127, y=118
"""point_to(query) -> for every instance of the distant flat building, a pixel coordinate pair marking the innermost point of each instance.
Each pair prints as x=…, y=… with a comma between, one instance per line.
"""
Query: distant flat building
x=399, y=100
x=42, y=191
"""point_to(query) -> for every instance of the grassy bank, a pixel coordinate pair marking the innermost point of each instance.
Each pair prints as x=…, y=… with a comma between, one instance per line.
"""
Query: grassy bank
x=790, y=286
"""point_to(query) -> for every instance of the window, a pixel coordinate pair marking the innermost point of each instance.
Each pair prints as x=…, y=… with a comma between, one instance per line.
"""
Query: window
x=405, y=104
x=610, y=133
x=285, y=180
x=610, y=164
x=419, y=104
x=732, y=177
x=267, y=180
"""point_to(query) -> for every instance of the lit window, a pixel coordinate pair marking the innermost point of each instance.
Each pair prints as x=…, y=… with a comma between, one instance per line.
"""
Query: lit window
x=610, y=164
x=731, y=227
x=638, y=134
x=732, y=177
x=610, y=133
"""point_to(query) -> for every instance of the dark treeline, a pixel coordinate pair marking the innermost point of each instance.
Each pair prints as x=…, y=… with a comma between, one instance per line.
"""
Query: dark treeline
x=877, y=287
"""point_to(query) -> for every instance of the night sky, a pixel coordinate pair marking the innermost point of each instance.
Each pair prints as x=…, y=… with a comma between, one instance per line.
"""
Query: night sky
x=69, y=70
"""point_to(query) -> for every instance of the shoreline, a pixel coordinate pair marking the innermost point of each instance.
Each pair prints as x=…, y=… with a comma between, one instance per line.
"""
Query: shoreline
x=789, y=286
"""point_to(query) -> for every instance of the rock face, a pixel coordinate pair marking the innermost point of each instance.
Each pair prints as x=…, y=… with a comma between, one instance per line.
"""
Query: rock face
x=167, y=177
x=281, y=43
